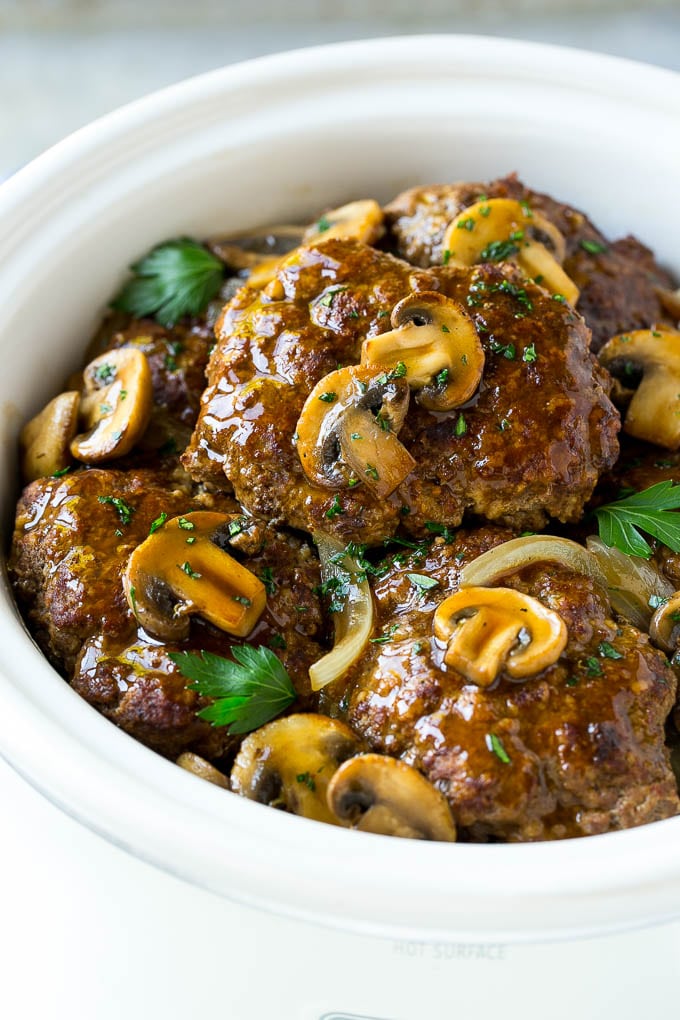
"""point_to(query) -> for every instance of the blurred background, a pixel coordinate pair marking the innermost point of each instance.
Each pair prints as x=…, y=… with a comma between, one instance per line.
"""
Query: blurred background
x=64, y=62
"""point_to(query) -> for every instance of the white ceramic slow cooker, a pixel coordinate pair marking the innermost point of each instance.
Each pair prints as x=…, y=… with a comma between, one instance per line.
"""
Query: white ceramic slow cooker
x=278, y=139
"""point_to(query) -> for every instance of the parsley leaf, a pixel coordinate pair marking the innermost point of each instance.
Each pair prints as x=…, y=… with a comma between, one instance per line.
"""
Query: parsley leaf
x=248, y=692
x=621, y=523
x=422, y=581
x=121, y=506
x=176, y=278
x=495, y=745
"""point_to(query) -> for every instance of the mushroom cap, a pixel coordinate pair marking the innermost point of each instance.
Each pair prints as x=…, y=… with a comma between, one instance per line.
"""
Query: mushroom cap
x=359, y=221
x=181, y=570
x=503, y=229
x=654, y=410
x=431, y=335
x=44, y=440
x=203, y=769
x=664, y=629
x=379, y=794
x=288, y=763
x=115, y=406
x=489, y=630
x=347, y=430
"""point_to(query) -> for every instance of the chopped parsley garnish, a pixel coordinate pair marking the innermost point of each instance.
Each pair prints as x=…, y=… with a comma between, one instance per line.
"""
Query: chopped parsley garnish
x=323, y=224
x=498, y=251
x=158, y=523
x=529, y=353
x=123, y=508
x=372, y=472
x=466, y=224
x=593, y=667
x=656, y=600
x=327, y=299
x=651, y=511
x=335, y=509
x=461, y=426
x=442, y=377
x=503, y=425
x=608, y=651
x=241, y=599
x=440, y=529
x=446, y=255
x=267, y=578
x=277, y=641
x=422, y=581
x=105, y=373
x=398, y=372
x=388, y=634
x=495, y=745
x=176, y=278
x=236, y=527
x=593, y=247
x=308, y=779
x=186, y=567
x=185, y=525
x=248, y=692
x=61, y=472
x=328, y=398
x=507, y=350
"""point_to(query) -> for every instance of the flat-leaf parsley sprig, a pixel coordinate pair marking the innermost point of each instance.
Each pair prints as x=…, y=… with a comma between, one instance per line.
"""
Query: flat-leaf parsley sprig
x=652, y=511
x=248, y=692
x=176, y=278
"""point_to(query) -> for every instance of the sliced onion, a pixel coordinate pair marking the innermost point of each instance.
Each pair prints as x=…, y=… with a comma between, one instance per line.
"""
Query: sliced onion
x=492, y=566
x=631, y=582
x=353, y=625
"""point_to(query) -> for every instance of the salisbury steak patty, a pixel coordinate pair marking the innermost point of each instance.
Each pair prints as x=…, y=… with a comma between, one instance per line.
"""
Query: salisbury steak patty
x=68, y=554
x=531, y=442
x=574, y=750
x=618, y=280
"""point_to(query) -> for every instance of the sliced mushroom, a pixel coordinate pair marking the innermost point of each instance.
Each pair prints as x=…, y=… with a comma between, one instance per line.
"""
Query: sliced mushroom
x=245, y=251
x=181, y=570
x=203, y=769
x=654, y=410
x=376, y=793
x=502, y=230
x=489, y=630
x=670, y=299
x=116, y=405
x=435, y=338
x=361, y=221
x=664, y=630
x=347, y=430
x=44, y=441
x=289, y=762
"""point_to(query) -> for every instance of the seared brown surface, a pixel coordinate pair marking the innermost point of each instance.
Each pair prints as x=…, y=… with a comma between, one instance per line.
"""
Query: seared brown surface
x=585, y=737
x=68, y=554
x=536, y=436
x=617, y=285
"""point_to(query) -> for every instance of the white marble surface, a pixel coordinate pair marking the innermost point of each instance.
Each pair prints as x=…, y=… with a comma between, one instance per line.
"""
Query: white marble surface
x=54, y=79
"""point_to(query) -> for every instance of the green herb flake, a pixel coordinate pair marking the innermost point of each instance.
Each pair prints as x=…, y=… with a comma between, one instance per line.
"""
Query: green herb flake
x=657, y=600
x=372, y=472
x=122, y=508
x=445, y=328
x=248, y=692
x=277, y=641
x=335, y=509
x=236, y=527
x=529, y=353
x=503, y=425
x=495, y=745
x=328, y=398
x=607, y=651
x=61, y=472
x=267, y=578
x=185, y=525
x=422, y=581
x=105, y=374
x=593, y=247
x=442, y=377
x=175, y=279
x=186, y=567
x=384, y=638
x=446, y=257
x=327, y=299
x=323, y=224
x=571, y=681
x=158, y=522
x=467, y=223
x=461, y=426
x=307, y=779
x=241, y=599
x=593, y=667
x=191, y=540
x=498, y=251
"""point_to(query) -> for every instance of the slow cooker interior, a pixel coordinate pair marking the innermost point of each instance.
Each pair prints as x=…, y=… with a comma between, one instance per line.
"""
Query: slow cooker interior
x=278, y=142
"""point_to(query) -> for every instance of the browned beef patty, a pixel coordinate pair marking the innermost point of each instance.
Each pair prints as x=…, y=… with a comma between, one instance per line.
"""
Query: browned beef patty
x=532, y=441
x=68, y=554
x=584, y=738
x=617, y=280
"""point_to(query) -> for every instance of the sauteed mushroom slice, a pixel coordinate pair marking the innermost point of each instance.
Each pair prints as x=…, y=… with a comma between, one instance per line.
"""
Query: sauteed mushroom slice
x=654, y=410
x=181, y=570
x=664, y=630
x=245, y=251
x=203, y=769
x=289, y=762
x=347, y=431
x=670, y=299
x=115, y=406
x=435, y=338
x=376, y=793
x=501, y=230
x=44, y=440
x=489, y=630
x=361, y=221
